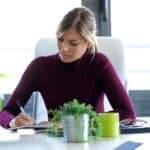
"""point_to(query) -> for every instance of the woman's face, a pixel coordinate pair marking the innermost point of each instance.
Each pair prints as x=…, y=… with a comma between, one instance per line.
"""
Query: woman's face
x=71, y=45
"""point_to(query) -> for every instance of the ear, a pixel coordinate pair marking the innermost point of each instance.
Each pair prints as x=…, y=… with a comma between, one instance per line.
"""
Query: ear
x=89, y=45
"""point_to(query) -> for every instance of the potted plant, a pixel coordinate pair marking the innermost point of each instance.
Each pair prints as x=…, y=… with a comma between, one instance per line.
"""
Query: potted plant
x=75, y=118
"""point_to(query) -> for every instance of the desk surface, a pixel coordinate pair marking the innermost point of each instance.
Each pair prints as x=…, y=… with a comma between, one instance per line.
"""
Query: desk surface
x=43, y=142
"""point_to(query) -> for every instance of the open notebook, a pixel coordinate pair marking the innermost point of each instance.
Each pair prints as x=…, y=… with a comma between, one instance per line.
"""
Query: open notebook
x=41, y=127
x=140, y=126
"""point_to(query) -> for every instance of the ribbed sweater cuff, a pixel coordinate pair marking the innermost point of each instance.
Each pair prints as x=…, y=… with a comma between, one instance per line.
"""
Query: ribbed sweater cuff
x=5, y=118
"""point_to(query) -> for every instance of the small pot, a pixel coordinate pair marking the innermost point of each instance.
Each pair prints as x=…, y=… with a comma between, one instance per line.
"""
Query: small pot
x=76, y=128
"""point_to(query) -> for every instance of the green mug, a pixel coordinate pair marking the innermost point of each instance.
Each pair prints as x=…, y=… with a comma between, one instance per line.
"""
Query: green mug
x=108, y=124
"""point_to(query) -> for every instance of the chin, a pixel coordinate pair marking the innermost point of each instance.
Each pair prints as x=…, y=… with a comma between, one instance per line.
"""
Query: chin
x=66, y=60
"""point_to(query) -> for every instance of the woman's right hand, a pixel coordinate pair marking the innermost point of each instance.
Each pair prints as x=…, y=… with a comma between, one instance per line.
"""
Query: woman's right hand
x=23, y=119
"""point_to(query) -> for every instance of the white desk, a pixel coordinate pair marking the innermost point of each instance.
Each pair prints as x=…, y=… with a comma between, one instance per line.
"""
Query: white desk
x=43, y=142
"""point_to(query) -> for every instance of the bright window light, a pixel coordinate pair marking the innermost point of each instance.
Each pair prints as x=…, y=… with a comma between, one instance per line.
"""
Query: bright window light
x=130, y=22
x=23, y=23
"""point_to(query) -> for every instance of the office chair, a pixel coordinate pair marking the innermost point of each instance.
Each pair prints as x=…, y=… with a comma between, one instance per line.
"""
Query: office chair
x=112, y=47
x=44, y=47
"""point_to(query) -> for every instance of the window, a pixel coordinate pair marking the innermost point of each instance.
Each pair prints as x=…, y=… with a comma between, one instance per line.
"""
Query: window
x=130, y=22
x=23, y=23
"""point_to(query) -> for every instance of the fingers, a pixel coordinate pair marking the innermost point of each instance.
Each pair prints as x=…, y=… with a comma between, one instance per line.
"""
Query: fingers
x=24, y=120
x=128, y=121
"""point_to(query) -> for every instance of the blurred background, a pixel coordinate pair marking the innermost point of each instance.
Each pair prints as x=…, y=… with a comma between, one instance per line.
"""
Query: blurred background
x=24, y=22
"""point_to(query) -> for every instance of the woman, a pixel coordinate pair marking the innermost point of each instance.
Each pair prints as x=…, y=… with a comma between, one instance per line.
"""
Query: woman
x=77, y=71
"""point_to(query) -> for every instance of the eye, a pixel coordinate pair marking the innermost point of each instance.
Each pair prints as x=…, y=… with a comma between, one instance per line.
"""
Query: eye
x=60, y=39
x=74, y=44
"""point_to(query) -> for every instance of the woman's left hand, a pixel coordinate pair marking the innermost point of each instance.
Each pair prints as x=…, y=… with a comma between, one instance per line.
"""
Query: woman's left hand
x=128, y=121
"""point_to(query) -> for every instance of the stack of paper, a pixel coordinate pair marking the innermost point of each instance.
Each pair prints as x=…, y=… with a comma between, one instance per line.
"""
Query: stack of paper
x=7, y=135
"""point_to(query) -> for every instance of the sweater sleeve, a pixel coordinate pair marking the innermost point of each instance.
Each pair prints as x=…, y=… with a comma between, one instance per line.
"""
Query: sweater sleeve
x=5, y=118
x=24, y=89
x=115, y=91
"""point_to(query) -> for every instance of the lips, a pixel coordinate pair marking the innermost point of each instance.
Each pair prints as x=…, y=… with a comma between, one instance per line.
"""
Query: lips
x=64, y=55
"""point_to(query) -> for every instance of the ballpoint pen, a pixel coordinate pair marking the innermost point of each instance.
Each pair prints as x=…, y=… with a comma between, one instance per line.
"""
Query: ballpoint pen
x=20, y=106
x=22, y=110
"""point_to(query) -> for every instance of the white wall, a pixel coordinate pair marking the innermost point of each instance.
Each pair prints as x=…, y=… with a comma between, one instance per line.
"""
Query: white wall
x=130, y=22
x=22, y=24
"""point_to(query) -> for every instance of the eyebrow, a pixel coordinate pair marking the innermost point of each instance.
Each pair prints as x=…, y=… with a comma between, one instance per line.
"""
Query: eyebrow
x=77, y=41
x=74, y=41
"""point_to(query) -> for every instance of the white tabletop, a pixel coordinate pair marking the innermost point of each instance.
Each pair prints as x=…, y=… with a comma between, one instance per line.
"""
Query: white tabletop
x=43, y=142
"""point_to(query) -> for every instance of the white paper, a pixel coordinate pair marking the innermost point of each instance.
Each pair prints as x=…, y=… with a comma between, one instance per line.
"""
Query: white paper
x=7, y=135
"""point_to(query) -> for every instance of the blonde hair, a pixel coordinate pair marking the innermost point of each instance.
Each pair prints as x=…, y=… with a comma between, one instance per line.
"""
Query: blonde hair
x=83, y=20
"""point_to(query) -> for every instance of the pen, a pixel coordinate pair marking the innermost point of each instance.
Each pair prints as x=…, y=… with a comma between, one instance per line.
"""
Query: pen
x=19, y=105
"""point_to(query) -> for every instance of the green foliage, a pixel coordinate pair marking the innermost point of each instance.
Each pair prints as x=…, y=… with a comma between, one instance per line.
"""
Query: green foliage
x=74, y=108
x=3, y=75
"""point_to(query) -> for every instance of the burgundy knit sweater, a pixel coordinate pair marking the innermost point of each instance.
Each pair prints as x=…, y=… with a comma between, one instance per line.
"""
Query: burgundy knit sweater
x=86, y=79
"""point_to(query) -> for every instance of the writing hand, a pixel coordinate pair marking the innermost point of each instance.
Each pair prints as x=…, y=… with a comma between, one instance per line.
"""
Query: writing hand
x=23, y=119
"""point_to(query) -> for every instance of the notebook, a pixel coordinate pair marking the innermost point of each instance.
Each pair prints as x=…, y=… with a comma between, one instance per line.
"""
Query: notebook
x=141, y=126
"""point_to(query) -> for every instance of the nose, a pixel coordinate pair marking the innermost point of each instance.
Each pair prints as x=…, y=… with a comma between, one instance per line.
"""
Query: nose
x=64, y=46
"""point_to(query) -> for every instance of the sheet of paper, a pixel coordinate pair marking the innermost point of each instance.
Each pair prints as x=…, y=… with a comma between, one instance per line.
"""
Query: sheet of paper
x=6, y=135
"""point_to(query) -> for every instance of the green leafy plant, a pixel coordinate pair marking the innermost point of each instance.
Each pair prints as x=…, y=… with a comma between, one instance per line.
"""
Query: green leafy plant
x=74, y=108
x=3, y=75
